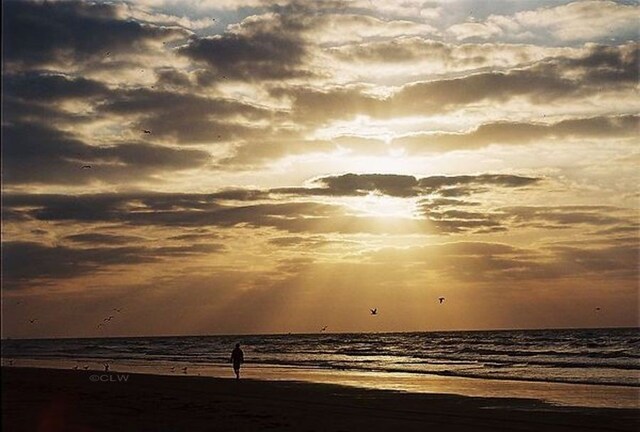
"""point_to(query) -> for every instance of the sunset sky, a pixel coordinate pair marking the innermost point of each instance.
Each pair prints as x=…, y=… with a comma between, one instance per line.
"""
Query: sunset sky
x=305, y=161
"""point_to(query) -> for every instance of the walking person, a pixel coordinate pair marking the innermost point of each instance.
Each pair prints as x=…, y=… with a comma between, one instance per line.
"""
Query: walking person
x=237, y=358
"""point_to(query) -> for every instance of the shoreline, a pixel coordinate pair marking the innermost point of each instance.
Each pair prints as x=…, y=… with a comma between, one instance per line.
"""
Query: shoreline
x=31, y=396
x=560, y=394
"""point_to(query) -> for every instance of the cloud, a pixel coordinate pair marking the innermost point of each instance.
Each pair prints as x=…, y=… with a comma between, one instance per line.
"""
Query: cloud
x=498, y=262
x=410, y=186
x=50, y=87
x=98, y=238
x=186, y=118
x=55, y=33
x=33, y=153
x=521, y=133
x=562, y=216
x=435, y=56
x=27, y=262
x=588, y=20
x=258, y=151
x=261, y=47
x=551, y=79
x=337, y=29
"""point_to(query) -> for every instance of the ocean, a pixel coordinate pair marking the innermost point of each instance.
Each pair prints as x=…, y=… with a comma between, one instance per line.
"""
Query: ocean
x=585, y=356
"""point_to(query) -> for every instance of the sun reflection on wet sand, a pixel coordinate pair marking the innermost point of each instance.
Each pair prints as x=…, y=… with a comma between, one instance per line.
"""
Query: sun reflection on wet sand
x=585, y=395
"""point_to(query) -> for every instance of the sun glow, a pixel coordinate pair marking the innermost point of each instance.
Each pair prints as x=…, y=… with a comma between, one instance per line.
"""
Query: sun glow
x=382, y=206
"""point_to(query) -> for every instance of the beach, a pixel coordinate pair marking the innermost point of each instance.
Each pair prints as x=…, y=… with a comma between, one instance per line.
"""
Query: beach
x=39, y=399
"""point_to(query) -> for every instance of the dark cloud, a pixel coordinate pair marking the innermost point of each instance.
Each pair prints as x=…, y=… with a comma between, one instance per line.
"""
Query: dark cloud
x=196, y=210
x=521, y=133
x=451, y=216
x=98, y=238
x=186, y=118
x=47, y=87
x=27, y=262
x=410, y=186
x=172, y=78
x=33, y=153
x=267, y=47
x=555, y=78
x=47, y=33
x=547, y=80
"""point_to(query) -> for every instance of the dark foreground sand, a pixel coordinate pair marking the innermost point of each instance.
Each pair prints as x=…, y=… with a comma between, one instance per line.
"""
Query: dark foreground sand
x=61, y=400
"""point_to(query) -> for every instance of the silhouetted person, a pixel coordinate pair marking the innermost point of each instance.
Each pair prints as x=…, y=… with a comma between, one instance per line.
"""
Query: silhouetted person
x=237, y=358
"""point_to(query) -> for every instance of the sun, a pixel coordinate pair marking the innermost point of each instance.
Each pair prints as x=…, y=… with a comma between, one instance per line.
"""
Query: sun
x=383, y=206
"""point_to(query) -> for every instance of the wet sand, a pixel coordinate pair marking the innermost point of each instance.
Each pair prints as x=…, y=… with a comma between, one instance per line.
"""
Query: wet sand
x=66, y=400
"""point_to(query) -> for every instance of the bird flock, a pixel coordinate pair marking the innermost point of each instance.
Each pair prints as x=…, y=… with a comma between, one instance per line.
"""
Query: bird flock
x=108, y=319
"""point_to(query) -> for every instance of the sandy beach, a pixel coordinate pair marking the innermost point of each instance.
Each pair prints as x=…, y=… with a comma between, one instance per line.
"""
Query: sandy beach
x=36, y=399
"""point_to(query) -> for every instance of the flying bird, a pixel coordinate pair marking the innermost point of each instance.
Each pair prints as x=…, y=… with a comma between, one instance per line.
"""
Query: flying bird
x=75, y=367
x=86, y=166
x=86, y=367
x=184, y=370
x=441, y=300
x=31, y=321
x=173, y=369
x=147, y=131
x=324, y=328
x=108, y=53
x=374, y=311
x=117, y=310
x=597, y=309
x=106, y=367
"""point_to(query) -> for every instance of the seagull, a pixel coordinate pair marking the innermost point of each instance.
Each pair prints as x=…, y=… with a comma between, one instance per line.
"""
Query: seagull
x=324, y=328
x=374, y=311
x=75, y=367
x=86, y=166
x=147, y=131
x=184, y=370
x=108, y=53
x=106, y=367
x=33, y=320
x=85, y=367
x=10, y=362
x=597, y=309
x=173, y=369
x=117, y=310
x=441, y=299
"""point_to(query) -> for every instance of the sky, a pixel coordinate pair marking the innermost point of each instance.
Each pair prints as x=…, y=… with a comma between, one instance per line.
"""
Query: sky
x=230, y=167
